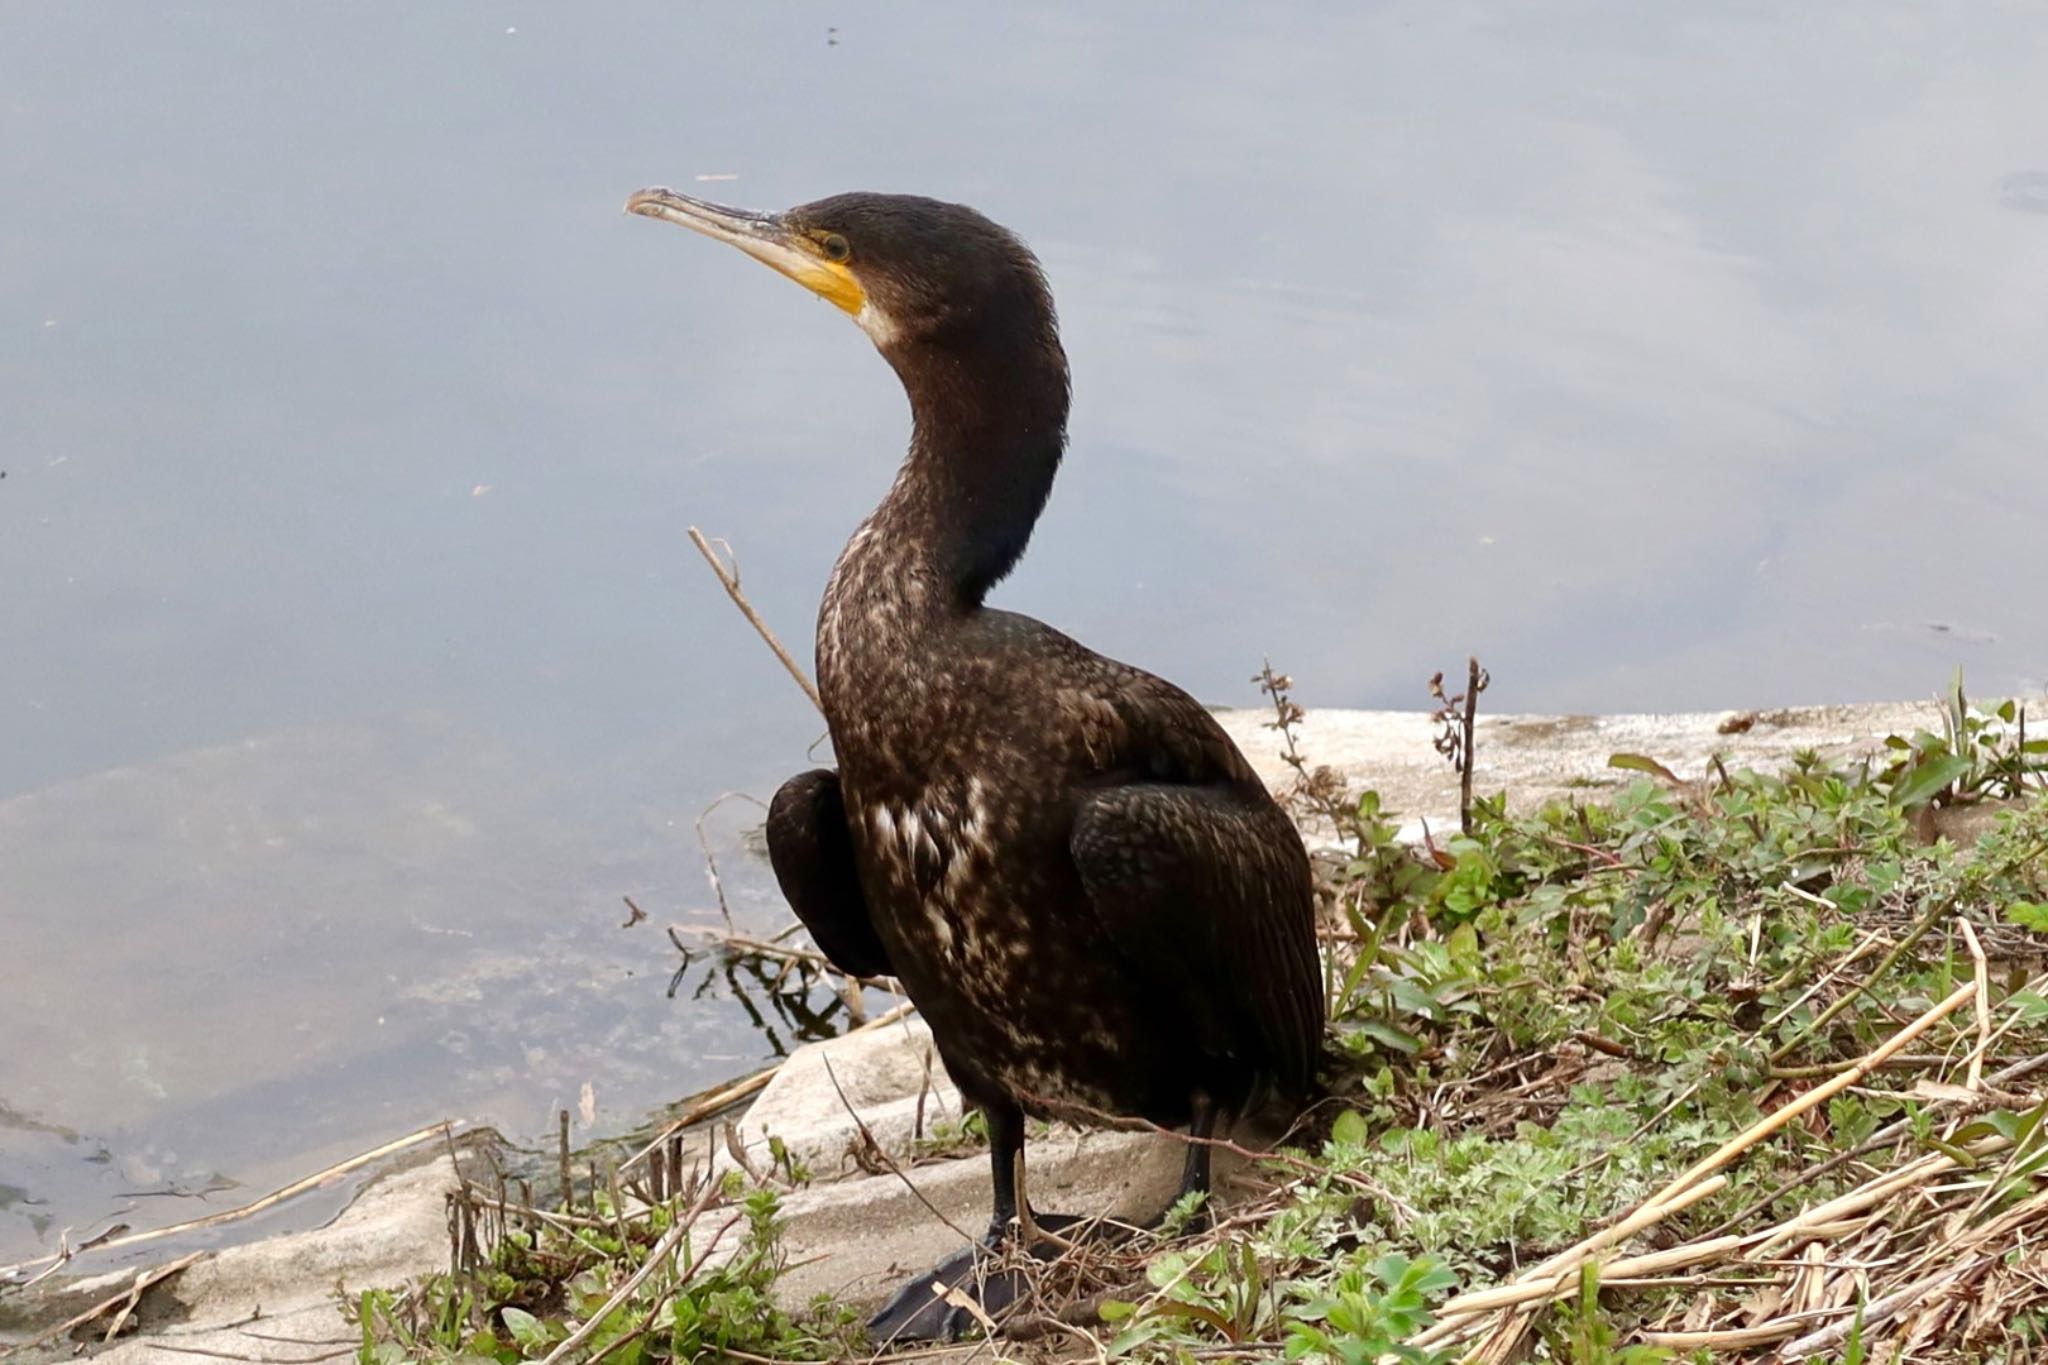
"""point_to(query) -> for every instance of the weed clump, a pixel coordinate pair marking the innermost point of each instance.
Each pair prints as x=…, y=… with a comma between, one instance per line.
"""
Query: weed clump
x=690, y=1277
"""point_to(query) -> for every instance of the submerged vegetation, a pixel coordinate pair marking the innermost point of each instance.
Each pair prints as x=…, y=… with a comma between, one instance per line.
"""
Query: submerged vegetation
x=1743, y=1067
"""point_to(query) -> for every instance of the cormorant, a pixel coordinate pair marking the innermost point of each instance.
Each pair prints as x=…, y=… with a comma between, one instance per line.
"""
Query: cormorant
x=1083, y=886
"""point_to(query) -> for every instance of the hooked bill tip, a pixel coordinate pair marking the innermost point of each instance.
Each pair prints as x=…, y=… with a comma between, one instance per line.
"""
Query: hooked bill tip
x=648, y=201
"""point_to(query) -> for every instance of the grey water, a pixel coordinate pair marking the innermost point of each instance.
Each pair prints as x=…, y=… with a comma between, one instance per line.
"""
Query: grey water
x=354, y=665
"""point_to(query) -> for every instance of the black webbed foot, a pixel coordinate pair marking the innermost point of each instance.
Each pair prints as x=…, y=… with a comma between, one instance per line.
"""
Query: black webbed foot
x=919, y=1310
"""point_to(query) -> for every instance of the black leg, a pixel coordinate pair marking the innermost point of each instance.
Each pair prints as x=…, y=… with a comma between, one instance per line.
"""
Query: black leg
x=1194, y=1178
x=915, y=1312
x=1005, y=1145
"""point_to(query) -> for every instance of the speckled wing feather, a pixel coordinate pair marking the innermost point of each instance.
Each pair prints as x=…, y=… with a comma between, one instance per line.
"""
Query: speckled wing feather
x=1201, y=880
x=812, y=853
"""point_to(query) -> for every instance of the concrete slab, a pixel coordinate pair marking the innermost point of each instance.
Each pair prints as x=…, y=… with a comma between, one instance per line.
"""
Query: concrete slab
x=857, y=1239
x=274, y=1300
x=1539, y=758
x=882, y=1076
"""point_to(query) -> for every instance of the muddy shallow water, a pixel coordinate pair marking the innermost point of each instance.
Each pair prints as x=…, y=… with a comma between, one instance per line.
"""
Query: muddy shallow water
x=353, y=664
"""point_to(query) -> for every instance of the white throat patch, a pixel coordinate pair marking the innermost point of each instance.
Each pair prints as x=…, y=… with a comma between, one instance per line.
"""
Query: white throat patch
x=880, y=327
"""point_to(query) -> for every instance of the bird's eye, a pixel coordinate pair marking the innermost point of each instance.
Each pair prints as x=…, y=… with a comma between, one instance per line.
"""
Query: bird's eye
x=835, y=247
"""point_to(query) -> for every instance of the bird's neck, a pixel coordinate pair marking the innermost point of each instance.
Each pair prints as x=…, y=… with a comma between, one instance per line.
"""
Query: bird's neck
x=988, y=425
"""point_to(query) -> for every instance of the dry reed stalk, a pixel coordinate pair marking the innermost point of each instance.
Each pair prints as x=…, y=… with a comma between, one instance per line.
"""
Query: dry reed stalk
x=1809, y=1222
x=1863, y=946
x=1821, y=1094
x=1875, y=1315
x=1559, y=1274
x=1982, y=981
x=1555, y=1277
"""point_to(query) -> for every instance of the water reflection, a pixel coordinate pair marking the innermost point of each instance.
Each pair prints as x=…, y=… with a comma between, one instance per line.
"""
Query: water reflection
x=786, y=1007
x=353, y=664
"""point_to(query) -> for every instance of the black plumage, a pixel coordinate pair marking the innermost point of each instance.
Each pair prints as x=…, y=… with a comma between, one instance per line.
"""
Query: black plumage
x=1079, y=880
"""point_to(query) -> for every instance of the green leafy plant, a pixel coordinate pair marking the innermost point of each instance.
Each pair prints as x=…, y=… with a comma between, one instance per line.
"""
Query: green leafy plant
x=1980, y=752
x=1368, y=1313
x=549, y=1277
x=1591, y=1339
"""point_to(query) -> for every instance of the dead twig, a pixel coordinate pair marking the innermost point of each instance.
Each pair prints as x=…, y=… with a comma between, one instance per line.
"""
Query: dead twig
x=740, y=945
x=711, y=859
x=729, y=579
x=1981, y=980
x=568, y=1180
x=867, y=1138
x=737, y=1150
x=1457, y=719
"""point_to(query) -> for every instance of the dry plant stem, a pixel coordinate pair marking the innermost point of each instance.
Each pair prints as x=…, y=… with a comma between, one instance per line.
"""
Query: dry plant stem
x=867, y=1137
x=1821, y=1094
x=1506, y=1342
x=1856, y=1201
x=739, y=945
x=568, y=1179
x=1876, y=1314
x=1560, y=1272
x=737, y=1150
x=1898, y=950
x=268, y=1201
x=968, y=1306
x=1473, y=685
x=1725, y=1339
x=1884, y=1137
x=214, y=1354
x=1046, y=1323
x=711, y=859
x=1915, y=1062
x=1855, y=955
x=1553, y=1276
x=625, y=1339
x=949, y=1352
x=1944, y=906
x=128, y=1307
x=729, y=579
x=1982, y=983
x=566, y=1222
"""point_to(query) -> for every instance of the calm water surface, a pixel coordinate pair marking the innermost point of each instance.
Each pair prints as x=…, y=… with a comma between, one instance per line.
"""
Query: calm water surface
x=353, y=664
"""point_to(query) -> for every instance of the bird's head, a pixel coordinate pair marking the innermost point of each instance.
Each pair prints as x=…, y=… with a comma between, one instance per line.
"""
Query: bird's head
x=906, y=268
